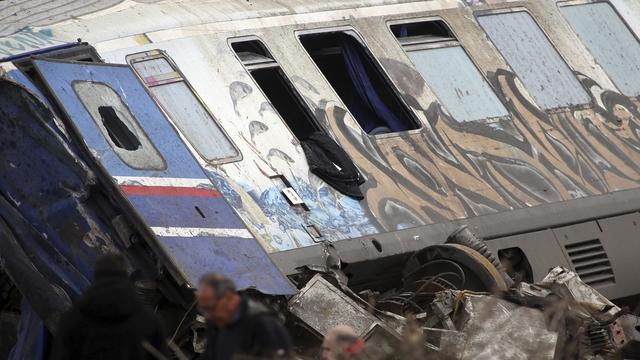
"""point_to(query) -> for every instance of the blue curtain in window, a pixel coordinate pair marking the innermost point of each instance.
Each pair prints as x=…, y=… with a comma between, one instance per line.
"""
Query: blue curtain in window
x=370, y=101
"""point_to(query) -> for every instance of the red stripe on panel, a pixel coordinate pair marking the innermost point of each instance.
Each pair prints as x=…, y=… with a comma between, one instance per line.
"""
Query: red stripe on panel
x=169, y=191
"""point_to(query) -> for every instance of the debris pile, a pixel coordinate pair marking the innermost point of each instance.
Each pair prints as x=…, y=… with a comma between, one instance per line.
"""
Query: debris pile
x=457, y=302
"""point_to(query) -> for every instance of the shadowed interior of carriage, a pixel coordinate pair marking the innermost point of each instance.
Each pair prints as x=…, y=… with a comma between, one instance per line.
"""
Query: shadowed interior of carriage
x=276, y=87
x=359, y=82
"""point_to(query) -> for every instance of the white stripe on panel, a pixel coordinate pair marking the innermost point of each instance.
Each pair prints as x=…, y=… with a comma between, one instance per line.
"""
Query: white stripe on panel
x=193, y=232
x=159, y=181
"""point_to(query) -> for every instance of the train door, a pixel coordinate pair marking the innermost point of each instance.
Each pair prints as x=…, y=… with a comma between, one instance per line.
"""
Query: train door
x=195, y=229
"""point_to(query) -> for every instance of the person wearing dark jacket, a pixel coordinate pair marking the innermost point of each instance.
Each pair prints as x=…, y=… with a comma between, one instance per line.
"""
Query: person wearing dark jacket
x=238, y=326
x=108, y=321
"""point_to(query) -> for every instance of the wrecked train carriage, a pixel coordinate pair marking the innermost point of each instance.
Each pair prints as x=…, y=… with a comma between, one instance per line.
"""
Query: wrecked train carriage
x=195, y=138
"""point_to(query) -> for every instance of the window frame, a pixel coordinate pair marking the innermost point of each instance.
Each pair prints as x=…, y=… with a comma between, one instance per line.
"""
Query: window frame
x=446, y=44
x=507, y=10
x=153, y=54
x=274, y=64
x=298, y=34
x=568, y=3
x=106, y=135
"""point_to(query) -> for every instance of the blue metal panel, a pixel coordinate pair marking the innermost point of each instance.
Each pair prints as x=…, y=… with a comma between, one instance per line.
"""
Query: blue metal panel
x=612, y=44
x=235, y=255
x=193, y=251
x=534, y=59
x=155, y=210
x=60, y=75
x=457, y=83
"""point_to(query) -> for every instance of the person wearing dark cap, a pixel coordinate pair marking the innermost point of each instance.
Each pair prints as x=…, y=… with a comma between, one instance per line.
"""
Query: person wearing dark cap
x=237, y=326
x=108, y=321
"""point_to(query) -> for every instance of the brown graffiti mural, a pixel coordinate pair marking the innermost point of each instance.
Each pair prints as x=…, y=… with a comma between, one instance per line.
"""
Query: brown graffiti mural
x=451, y=170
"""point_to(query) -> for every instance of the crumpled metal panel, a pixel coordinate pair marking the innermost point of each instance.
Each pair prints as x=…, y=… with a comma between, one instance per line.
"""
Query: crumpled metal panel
x=322, y=306
x=494, y=326
x=568, y=285
x=43, y=196
x=196, y=229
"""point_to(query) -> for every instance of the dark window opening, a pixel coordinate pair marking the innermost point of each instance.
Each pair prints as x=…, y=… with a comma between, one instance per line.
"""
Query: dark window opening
x=118, y=131
x=516, y=264
x=358, y=81
x=281, y=94
x=253, y=46
x=277, y=88
x=434, y=29
x=254, y=55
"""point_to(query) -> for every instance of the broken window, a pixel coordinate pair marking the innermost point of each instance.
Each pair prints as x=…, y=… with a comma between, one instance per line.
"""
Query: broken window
x=359, y=81
x=325, y=157
x=118, y=131
x=276, y=87
x=610, y=41
x=118, y=125
x=188, y=113
x=534, y=59
x=448, y=70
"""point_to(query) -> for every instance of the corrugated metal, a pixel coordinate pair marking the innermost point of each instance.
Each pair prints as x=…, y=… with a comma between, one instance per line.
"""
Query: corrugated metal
x=457, y=83
x=534, y=59
x=610, y=42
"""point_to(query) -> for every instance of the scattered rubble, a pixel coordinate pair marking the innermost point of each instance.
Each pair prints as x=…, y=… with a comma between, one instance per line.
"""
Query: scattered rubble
x=458, y=303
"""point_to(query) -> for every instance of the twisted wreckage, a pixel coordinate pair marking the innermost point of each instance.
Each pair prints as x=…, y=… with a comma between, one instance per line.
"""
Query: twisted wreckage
x=319, y=153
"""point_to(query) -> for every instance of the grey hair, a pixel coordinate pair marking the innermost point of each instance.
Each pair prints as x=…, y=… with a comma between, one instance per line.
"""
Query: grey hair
x=220, y=284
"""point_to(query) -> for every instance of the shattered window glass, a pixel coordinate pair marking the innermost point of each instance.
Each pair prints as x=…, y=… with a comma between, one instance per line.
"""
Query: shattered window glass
x=118, y=125
x=187, y=111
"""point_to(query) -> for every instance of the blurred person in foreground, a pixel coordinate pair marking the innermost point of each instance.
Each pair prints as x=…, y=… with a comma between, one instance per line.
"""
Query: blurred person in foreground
x=238, y=326
x=342, y=342
x=108, y=321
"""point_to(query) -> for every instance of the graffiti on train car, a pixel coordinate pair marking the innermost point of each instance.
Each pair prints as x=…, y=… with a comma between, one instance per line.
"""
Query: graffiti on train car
x=465, y=169
x=447, y=170
x=27, y=40
x=270, y=214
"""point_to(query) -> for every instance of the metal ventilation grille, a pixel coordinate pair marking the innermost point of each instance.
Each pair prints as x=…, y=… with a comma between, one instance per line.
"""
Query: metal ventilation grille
x=590, y=261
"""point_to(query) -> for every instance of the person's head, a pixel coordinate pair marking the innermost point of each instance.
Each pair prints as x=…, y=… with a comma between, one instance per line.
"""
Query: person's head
x=218, y=299
x=341, y=342
x=110, y=265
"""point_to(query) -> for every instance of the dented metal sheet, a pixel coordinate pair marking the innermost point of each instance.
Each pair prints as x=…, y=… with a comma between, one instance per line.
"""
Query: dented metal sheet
x=323, y=306
x=493, y=326
x=173, y=200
